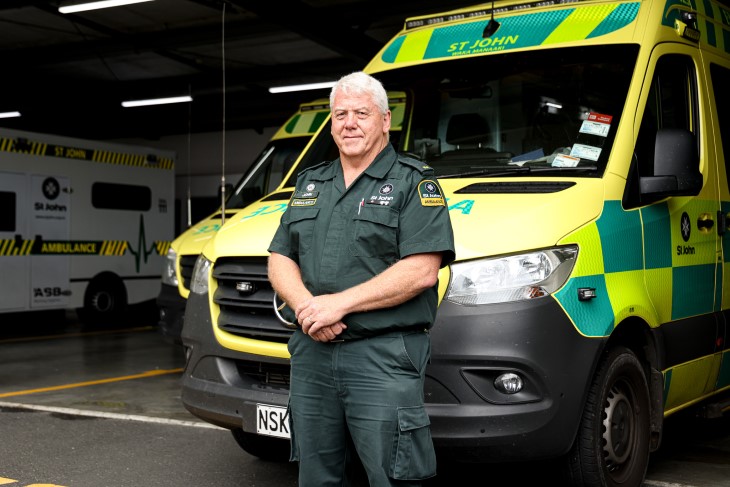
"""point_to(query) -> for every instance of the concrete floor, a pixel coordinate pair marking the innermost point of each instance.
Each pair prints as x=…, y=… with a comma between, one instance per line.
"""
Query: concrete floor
x=129, y=375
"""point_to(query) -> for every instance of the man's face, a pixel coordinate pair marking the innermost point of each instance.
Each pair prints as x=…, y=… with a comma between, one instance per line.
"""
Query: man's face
x=358, y=128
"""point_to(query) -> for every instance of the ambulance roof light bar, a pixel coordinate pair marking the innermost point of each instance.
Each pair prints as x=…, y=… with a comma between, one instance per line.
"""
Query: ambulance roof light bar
x=439, y=19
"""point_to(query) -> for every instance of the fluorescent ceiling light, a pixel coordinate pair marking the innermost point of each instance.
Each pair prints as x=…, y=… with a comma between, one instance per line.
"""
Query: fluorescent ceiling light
x=157, y=101
x=310, y=86
x=80, y=7
x=9, y=114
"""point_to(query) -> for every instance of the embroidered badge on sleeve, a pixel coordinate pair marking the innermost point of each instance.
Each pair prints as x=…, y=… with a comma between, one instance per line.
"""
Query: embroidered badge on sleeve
x=430, y=193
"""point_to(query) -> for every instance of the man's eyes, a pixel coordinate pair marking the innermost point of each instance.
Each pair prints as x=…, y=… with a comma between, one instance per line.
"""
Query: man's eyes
x=360, y=114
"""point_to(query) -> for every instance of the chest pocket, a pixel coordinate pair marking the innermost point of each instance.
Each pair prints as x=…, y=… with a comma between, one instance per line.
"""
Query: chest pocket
x=375, y=234
x=301, y=228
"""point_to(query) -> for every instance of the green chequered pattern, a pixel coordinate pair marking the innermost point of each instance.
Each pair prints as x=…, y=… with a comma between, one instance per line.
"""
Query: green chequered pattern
x=515, y=32
x=659, y=241
x=594, y=317
x=701, y=279
x=631, y=280
x=609, y=261
x=621, y=236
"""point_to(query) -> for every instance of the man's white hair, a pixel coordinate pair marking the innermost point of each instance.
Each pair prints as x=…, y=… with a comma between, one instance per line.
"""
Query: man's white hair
x=359, y=83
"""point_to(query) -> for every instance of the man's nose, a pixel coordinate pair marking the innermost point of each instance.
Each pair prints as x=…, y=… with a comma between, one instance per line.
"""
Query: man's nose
x=351, y=119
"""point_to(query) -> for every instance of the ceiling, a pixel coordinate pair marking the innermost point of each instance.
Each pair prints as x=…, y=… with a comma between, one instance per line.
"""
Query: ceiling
x=68, y=74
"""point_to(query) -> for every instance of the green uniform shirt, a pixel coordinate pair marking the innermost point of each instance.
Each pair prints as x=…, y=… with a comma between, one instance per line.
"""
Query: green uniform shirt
x=343, y=237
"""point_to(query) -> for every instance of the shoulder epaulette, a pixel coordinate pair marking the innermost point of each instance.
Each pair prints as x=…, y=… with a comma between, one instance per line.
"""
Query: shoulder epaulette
x=316, y=166
x=419, y=166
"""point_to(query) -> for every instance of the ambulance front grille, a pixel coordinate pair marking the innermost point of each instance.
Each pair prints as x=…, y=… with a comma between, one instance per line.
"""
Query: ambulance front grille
x=245, y=298
x=264, y=373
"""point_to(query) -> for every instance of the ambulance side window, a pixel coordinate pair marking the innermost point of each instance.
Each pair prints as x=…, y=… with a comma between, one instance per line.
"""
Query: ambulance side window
x=672, y=103
x=115, y=196
x=720, y=83
x=7, y=211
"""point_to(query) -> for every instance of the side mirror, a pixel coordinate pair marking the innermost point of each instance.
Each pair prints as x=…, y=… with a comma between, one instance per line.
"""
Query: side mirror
x=676, y=166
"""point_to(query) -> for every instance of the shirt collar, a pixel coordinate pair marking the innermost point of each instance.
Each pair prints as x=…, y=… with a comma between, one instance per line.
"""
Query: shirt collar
x=378, y=169
x=383, y=162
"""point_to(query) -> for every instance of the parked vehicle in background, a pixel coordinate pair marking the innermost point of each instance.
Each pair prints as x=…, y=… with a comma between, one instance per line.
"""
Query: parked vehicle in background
x=84, y=225
x=263, y=176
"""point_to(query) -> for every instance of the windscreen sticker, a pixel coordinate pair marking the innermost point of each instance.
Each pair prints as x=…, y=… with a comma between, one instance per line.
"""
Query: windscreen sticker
x=585, y=152
x=596, y=124
x=564, y=160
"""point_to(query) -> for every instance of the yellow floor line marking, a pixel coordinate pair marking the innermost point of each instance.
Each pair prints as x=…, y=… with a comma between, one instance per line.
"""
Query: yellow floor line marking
x=74, y=335
x=4, y=481
x=143, y=375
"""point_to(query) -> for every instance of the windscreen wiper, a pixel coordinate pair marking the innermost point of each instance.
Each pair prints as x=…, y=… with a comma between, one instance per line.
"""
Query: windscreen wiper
x=488, y=171
x=498, y=172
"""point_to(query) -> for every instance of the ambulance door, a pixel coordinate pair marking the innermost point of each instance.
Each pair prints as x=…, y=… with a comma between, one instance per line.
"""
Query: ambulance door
x=14, y=242
x=50, y=225
x=680, y=232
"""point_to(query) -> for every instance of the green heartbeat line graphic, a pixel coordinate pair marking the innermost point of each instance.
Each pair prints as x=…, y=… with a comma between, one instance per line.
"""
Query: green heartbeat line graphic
x=142, y=252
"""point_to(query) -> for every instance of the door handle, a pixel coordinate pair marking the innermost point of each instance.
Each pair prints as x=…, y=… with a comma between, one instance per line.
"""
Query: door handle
x=705, y=222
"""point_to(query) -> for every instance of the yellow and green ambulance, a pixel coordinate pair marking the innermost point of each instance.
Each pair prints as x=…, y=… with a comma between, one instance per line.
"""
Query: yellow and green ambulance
x=583, y=147
x=263, y=176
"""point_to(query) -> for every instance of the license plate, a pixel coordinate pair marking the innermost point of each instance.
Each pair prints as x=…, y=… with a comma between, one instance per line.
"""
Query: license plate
x=272, y=421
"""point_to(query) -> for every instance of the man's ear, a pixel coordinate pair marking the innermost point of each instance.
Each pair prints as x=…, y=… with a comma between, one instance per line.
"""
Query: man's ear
x=386, y=122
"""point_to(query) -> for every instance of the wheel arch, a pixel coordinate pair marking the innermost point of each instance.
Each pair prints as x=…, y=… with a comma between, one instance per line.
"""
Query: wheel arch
x=635, y=334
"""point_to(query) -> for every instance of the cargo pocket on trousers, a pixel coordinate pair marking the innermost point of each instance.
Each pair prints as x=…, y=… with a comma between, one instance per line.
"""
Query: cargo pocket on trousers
x=413, y=455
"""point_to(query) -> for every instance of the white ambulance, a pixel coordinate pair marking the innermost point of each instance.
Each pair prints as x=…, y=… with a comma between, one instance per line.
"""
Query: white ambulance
x=84, y=225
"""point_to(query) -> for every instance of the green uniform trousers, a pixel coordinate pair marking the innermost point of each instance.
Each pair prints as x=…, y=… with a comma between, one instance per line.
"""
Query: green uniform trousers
x=369, y=390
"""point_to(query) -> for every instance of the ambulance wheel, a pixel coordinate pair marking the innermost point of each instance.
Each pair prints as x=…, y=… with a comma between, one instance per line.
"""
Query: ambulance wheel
x=612, y=445
x=105, y=302
x=264, y=447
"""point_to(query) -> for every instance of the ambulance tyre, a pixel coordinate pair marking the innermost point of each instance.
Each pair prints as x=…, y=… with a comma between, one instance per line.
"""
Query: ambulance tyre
x=105, y=301
x=264, y=447
x=612, y=445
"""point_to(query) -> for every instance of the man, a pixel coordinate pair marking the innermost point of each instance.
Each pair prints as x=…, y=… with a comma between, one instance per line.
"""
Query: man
x=356, y=257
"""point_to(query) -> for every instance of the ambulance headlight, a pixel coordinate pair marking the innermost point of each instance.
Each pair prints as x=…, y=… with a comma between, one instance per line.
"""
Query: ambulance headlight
x=169, y=276
x=201, y=272
x=512, y=277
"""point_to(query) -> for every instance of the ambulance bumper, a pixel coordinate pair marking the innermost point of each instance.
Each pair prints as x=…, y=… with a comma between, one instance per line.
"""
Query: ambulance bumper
x=472, y=346
x=171, y=307
x=223, y=386
x=470, y=419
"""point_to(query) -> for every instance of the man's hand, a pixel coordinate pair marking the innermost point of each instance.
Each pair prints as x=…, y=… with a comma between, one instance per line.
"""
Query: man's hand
x=321, y=317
